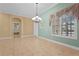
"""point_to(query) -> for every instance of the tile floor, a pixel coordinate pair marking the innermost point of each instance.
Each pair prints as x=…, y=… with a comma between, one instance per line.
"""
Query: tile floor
x=31, y=46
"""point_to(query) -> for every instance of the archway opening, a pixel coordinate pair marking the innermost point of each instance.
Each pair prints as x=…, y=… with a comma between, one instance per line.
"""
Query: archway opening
x=16, y=27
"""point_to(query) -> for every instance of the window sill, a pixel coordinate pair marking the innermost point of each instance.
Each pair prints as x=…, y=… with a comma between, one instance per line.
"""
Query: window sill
x=75, y=38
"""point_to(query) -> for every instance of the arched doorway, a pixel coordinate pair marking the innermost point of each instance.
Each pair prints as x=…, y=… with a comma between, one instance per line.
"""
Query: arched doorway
x=16, y=27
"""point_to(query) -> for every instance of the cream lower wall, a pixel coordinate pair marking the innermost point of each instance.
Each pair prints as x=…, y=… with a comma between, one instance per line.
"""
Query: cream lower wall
x=27, y=26
x=6, y=25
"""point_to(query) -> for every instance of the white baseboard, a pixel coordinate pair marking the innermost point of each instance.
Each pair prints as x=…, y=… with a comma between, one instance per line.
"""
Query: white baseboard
x=1, y=38
x=23, y=36
x=67, y=45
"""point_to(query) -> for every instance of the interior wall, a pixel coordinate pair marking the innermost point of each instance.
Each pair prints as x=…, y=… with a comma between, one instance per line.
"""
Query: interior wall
x=6, y=25
x=45, y=29
x=27, y=26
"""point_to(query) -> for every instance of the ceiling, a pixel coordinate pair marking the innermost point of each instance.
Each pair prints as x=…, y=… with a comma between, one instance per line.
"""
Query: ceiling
x=24, y=9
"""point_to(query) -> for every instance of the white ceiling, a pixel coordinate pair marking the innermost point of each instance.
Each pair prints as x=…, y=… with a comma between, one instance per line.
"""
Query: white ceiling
x=24, y=9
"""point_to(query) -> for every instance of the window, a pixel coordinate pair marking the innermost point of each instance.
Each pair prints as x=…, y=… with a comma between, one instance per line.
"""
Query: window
x=68, y=25
x=64, y=22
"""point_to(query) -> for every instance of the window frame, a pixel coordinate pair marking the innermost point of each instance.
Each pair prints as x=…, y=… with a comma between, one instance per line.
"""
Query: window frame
x=59, y=35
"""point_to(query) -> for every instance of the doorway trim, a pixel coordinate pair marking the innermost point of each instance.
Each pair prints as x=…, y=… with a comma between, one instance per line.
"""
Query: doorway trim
x=11, y=26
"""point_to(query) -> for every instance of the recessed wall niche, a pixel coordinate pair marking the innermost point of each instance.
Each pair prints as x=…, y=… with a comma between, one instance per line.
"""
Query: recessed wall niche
x=16, y=27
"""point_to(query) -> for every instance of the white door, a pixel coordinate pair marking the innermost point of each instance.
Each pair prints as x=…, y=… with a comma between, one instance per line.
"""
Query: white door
x=36, y=24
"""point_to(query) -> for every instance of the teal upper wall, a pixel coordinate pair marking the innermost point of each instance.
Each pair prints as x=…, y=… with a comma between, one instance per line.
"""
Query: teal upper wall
x=45, y=29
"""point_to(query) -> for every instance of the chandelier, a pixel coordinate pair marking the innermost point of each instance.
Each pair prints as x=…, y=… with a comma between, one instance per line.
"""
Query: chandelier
x=36, y=19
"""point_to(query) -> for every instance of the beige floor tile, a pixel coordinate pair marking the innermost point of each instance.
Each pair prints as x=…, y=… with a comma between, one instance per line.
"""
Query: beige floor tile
x=31, y=46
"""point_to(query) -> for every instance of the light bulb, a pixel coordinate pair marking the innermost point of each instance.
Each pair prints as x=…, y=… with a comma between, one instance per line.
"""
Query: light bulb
x=36, y=18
